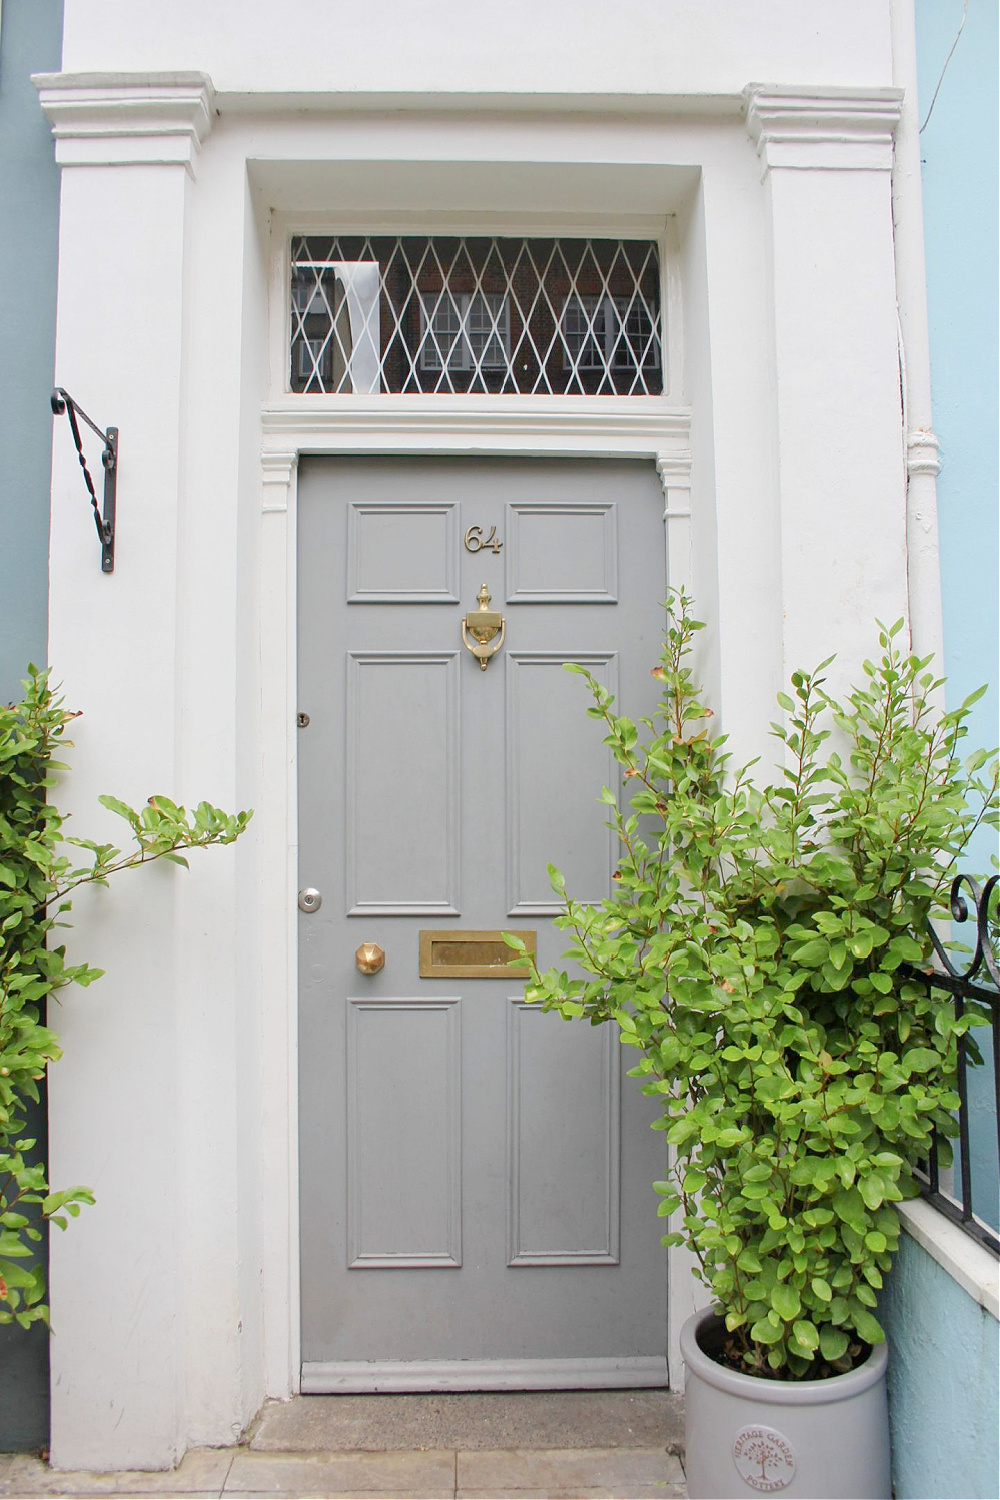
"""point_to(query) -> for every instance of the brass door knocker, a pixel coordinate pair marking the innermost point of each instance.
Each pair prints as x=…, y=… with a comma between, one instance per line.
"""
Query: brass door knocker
x=487, y=629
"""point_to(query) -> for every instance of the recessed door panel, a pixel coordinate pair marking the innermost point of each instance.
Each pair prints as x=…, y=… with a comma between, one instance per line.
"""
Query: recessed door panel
x=564, y=554
x=476, y=1176
x=553, y=776
x=404, y=1133
x=402, y=553
x=401, y=720
x=565, y=1178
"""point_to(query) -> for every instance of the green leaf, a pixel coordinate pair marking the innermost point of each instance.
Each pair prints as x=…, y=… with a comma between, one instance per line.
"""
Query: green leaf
x=786, y=1301
x=833, y=1342
x=868, y=1328
x=921, y=1059
x=805, y=1334
x=873, y=1189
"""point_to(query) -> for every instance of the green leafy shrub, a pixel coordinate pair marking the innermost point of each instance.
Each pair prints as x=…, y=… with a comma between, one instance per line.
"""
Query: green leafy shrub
x=760, y=952
x=36, y=877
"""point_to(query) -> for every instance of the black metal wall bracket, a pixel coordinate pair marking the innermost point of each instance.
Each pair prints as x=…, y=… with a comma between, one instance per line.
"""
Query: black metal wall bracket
x=61, y=402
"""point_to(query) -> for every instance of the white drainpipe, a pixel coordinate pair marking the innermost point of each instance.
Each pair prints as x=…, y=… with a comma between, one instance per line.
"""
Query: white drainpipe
x=921, y=445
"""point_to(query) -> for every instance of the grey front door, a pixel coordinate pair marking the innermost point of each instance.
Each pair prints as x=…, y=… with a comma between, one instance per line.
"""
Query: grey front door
x=476, y=1202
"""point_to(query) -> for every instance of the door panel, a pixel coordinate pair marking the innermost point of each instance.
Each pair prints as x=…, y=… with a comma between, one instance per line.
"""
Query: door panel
x=564, y=1184
x=401, y=715
x=552, y=780
x=476, y=1198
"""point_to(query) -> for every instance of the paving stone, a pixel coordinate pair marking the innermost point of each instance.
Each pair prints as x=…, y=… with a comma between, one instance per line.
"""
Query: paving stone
x=614, y=1471
x=201, y=1472
x=630, y=1492
x=472, y=1420
x=337, y=1474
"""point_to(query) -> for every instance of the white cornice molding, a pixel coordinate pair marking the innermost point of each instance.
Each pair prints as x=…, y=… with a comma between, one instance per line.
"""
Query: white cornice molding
x=444, y=102
x=823, y=129
x=587, y=428
x=122, y=119
x=631, y=428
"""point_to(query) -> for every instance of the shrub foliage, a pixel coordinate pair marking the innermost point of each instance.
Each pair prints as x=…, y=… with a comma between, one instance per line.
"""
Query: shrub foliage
x=37, y=875
x=760, y=952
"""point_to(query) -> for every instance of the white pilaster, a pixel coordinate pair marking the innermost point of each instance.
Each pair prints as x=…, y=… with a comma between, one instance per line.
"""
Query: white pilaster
x=826, y=158
x=117, y=1279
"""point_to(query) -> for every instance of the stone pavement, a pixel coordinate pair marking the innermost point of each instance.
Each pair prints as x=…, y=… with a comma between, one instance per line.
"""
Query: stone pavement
x=556, y=1444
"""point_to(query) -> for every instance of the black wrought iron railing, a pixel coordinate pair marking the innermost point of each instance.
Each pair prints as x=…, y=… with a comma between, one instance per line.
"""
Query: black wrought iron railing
x=966, y=1191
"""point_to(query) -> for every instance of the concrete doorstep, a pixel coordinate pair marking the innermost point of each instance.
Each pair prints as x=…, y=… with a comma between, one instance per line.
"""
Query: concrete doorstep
x=617, y=1445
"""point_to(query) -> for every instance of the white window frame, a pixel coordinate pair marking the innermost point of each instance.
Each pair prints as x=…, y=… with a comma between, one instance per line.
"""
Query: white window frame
x=460, y=346
x=605, y=319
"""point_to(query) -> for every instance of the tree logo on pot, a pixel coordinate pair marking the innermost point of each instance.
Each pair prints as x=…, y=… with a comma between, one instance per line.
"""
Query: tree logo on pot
x=764, y=1458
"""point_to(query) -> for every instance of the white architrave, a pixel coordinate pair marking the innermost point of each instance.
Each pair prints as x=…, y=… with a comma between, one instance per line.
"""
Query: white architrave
x=578, y=428
x=826, y=158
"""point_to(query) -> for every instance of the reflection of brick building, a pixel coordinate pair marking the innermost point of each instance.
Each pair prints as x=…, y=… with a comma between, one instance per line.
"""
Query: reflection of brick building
x=534, y=316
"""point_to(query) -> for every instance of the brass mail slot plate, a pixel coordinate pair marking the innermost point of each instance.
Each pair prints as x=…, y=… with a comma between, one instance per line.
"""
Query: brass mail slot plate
x=454, y=954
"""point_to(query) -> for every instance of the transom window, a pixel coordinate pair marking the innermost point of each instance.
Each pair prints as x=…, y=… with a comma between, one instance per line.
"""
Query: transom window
x=507, y=316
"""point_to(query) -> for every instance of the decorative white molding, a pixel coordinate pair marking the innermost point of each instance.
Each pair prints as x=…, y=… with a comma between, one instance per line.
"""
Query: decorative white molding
x=120, y=119
x=278, y=467
x=674, y=470
x=922, y=453
x=633, y=428
x=823, y=129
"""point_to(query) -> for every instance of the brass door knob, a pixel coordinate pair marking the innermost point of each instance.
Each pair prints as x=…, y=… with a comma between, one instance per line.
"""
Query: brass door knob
x=369, y=958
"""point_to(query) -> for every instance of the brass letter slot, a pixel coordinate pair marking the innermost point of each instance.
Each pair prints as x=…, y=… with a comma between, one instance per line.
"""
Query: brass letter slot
x=453, y=954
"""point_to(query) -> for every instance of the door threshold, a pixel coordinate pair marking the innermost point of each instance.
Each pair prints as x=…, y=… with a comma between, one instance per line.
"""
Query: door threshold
x=327, y=1377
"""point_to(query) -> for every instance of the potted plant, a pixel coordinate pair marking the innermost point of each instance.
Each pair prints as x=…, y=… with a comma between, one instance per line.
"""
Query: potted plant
x=760, y=953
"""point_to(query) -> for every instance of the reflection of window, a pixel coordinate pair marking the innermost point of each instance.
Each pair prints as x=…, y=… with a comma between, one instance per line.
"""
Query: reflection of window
x=603, y=333
x=336, y=333
x=464, y=331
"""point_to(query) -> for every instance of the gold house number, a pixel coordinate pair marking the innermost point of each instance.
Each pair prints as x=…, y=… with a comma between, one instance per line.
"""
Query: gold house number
x=476, y=542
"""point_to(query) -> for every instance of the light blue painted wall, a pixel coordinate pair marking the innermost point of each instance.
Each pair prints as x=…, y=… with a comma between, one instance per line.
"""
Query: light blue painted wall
x=944, y=1380
x=943, y=1358
x=960, y=185
x=30, y=42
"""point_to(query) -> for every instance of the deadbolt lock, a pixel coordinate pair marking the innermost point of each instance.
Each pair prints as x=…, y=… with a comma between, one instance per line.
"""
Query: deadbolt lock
x=486, y=627
x=310, y=899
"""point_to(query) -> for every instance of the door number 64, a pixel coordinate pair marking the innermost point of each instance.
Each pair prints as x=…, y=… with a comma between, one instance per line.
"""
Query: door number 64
x=476, y=542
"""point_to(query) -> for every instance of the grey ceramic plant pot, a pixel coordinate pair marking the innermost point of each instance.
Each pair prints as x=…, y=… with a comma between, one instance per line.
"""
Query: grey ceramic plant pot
x=801, y=1439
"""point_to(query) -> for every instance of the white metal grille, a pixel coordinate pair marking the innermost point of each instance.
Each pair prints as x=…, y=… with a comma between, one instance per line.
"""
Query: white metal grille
x=529, y=316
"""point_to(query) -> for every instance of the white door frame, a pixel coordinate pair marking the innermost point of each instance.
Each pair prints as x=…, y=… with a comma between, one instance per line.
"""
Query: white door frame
x=547, y=427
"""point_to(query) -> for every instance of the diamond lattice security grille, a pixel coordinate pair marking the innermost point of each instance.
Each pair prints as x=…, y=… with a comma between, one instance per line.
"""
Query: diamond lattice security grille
x=410, y=314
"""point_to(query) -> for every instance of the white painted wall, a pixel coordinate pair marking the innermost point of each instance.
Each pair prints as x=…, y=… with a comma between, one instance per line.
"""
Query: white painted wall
x=473, y=47
x=175, y=1299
